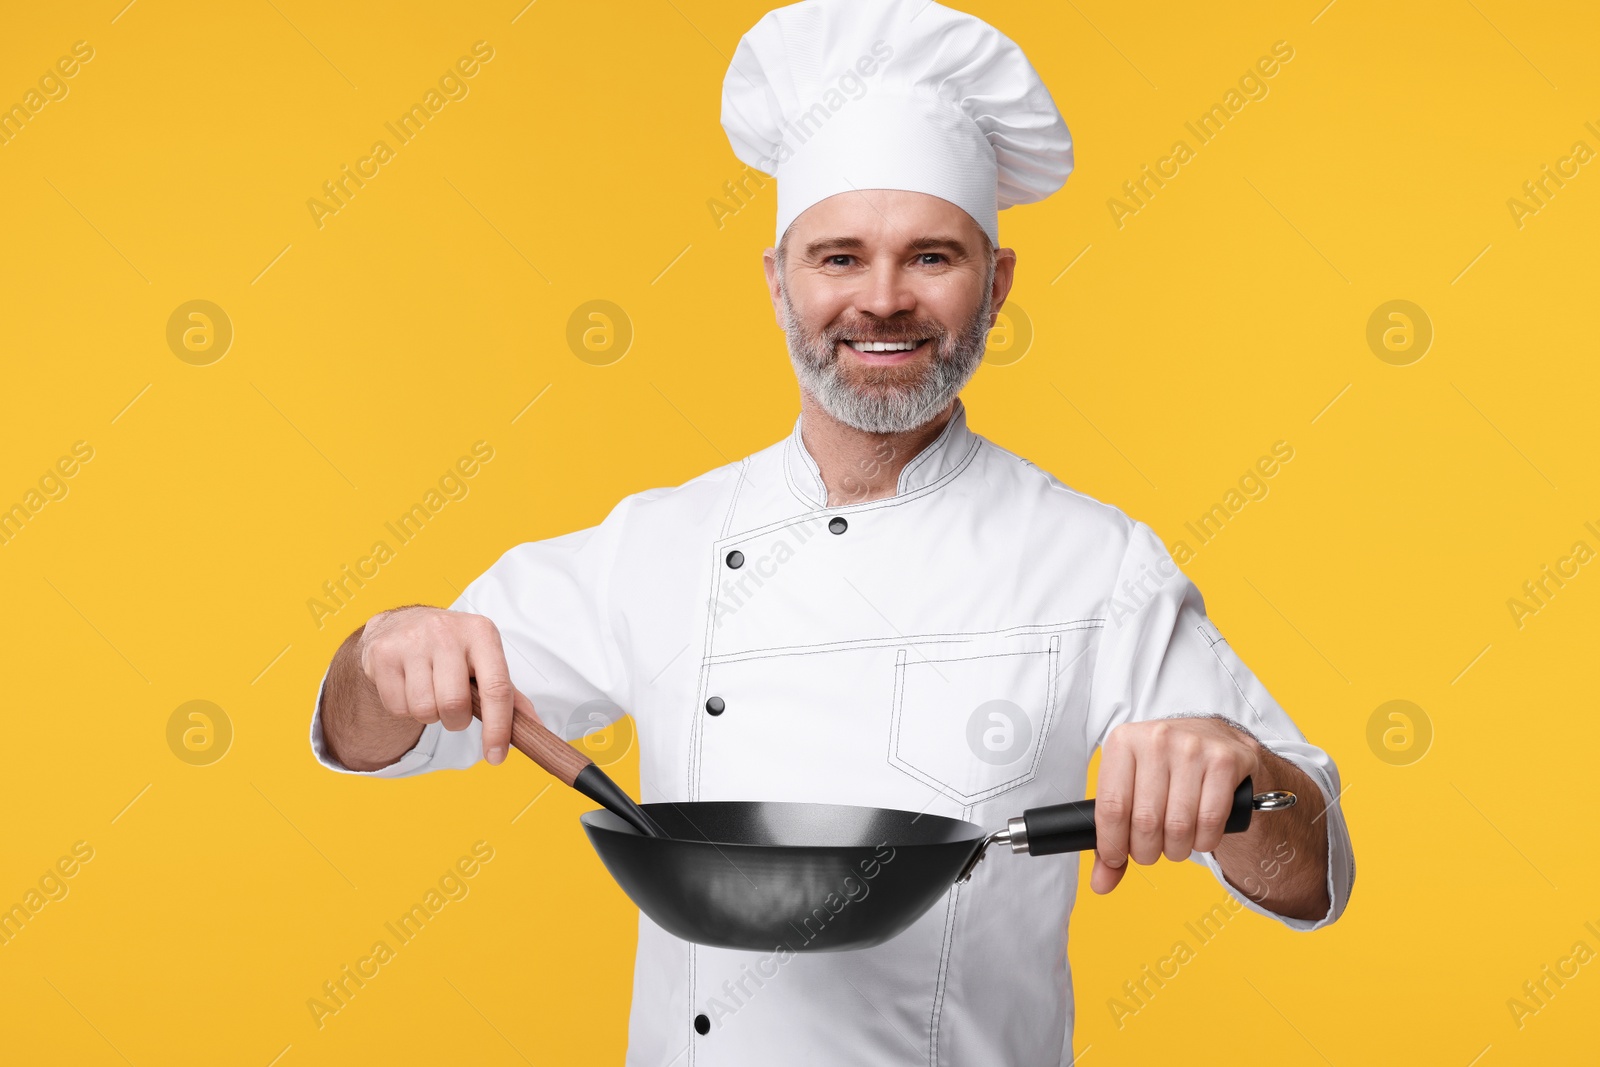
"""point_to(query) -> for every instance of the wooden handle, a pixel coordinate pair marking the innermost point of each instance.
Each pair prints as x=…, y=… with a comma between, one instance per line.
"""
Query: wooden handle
x=533, y=739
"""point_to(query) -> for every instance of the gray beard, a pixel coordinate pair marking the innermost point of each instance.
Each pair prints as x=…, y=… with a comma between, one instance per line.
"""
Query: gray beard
x=883, y=404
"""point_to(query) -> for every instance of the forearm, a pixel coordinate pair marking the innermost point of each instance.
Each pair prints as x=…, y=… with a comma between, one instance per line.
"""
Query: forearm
x=358, y=732
x=1281, y=862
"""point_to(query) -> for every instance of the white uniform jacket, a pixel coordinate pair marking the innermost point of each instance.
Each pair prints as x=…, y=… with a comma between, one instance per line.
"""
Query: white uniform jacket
x=960, y=648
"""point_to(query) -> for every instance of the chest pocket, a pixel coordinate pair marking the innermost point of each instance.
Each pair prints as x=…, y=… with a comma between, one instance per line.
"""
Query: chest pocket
x=972, y=717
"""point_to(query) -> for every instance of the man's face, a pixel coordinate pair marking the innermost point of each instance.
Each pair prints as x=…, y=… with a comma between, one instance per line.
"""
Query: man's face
x=887, y=298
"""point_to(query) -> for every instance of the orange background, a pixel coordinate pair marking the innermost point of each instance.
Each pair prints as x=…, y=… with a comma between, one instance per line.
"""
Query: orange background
x=1161, y=359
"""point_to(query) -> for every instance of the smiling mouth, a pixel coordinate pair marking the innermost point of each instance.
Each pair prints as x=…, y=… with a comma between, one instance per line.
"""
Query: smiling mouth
x=884, y=351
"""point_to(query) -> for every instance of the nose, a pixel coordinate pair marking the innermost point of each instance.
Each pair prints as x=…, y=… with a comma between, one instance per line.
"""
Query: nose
x=885, y=292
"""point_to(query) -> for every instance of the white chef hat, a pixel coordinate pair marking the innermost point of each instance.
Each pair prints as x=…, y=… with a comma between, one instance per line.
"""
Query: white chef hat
x=834, y=95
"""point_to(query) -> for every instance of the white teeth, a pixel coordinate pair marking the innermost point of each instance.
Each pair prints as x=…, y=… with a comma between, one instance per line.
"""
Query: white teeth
x=883, y=346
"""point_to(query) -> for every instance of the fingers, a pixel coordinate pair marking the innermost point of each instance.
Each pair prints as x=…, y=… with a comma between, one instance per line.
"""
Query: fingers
x=420, y=704
x=422, y=662
x=1147, y=820
x=1183, y=807
x=487, y=660
x=450, y=690
x=1216, y=802
x=1166, y=788
x=1112, y=807
x=390, y=681
x=1104, y=879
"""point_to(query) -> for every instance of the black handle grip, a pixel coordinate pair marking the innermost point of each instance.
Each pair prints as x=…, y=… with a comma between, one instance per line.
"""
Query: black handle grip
x=1070, y=827
x=598, y=786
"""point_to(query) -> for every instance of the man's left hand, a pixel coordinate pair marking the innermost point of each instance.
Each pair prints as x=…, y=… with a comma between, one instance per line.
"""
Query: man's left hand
x=1166, y=787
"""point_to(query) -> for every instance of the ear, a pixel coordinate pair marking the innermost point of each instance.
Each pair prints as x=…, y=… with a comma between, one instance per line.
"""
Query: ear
x=1005, y=272
x=769, y=264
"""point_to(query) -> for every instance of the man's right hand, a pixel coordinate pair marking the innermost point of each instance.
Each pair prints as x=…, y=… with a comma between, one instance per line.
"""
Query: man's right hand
x=410, y=667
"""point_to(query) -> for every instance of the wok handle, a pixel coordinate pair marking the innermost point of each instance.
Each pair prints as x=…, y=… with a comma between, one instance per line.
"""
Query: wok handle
x=1070, y=827
x=567, y=765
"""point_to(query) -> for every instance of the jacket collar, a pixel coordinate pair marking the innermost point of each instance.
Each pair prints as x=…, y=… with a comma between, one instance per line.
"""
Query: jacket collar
x=940, y=458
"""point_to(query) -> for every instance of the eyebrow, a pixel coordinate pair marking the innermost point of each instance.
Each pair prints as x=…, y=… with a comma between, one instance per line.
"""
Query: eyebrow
x=826, y=246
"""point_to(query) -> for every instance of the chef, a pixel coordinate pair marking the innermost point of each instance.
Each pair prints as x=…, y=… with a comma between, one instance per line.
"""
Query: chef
x=884, y=608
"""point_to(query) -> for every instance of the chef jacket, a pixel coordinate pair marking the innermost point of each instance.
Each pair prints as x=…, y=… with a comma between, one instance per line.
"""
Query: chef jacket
x=959, y=648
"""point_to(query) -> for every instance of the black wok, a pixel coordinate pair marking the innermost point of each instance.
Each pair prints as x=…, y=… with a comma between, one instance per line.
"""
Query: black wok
x=767, y=876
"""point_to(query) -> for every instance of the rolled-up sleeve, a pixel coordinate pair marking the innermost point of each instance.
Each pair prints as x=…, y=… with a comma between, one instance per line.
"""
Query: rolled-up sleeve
x=1161, y=657
x=550, y=601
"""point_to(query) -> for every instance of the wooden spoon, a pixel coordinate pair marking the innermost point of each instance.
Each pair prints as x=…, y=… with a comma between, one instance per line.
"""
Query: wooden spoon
x=569, y=766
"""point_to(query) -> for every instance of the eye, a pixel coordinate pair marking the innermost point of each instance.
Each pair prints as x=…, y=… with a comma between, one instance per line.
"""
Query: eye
x=833, y=261
x=932, y=259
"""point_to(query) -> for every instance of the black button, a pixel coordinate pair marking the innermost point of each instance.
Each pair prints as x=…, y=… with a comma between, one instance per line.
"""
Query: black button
x=702, y=1025
x=837, y=525
x=736, y=559
x=715, y=706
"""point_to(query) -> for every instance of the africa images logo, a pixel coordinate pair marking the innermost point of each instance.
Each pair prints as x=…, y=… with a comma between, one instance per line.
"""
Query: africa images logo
x=452, y=85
